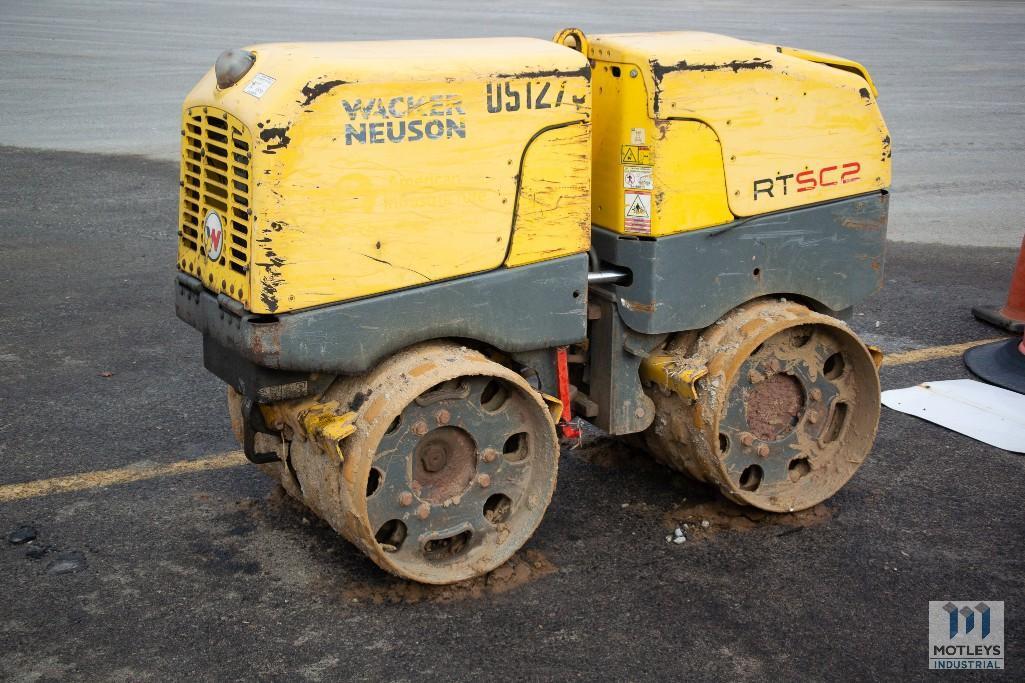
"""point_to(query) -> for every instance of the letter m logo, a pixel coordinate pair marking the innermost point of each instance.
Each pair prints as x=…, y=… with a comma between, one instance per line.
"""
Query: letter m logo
x=955, y=616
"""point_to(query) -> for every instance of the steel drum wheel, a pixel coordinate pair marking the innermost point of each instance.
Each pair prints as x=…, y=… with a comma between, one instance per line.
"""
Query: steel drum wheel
x=460, y=478
x=787, y=412
x=450, y=471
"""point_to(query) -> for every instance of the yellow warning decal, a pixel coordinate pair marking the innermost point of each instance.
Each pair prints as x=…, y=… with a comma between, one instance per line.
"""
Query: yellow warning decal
x=639, y=155
x=637, y=218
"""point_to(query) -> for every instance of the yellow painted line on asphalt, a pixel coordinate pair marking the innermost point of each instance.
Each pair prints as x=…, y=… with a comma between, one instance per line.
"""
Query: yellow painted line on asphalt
x=935, y=352
x=121, y=475
x=126, y=475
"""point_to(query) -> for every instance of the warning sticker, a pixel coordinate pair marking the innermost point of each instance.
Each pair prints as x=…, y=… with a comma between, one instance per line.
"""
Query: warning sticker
x=637, y=136
x=260, y=84
x=637, y=212
x=637, y=177
x=635, y=154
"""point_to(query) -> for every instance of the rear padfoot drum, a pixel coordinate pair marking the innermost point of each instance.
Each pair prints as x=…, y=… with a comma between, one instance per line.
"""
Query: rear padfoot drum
x=450, y=471
x=786, y=414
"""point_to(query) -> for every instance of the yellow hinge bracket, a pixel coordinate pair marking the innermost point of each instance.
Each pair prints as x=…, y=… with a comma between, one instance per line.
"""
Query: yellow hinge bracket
x=554, y=406
x=877, y=356
x=323, y=424
x=665, y=370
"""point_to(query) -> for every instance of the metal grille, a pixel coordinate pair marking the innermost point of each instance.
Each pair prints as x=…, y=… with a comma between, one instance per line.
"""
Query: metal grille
x=215, y=178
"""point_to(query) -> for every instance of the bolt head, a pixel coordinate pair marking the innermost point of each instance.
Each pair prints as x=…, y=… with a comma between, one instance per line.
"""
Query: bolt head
x=419, y=427
x=443, y=416
x=813, y=417
x=490, y=455
x=484, y=480
x=763, y=451
x=747, y=438
x=639, y=412
x=816, y=394
x=405, y=499
x=424, y=511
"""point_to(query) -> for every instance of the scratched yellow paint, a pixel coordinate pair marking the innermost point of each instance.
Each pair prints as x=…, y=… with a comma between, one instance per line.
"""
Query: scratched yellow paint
x=351, y=198
x=834, y=61
x=775, y=112
x=553, y=210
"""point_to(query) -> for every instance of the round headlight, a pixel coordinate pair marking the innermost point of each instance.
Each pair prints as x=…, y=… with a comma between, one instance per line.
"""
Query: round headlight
x=233, y=65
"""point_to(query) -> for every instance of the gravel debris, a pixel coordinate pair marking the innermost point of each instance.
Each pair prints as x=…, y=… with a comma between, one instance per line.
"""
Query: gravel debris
x=36, y=552
x=67, y=563
x=22, y=534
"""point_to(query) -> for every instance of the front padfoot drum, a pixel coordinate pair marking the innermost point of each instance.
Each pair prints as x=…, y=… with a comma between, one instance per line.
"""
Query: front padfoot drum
x=450, y=470
x=786, y=414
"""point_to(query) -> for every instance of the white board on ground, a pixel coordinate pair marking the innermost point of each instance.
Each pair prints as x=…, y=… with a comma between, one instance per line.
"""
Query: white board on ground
x=982, y=411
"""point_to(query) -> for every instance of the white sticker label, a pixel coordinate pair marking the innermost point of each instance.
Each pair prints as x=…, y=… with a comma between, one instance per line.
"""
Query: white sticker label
x=637, y=177
x=638, y=212
x=637, y=136
x=260, y=84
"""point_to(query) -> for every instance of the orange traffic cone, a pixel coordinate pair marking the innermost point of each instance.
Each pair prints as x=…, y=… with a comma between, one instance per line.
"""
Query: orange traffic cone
x=1011, y=316
x=1001, y=363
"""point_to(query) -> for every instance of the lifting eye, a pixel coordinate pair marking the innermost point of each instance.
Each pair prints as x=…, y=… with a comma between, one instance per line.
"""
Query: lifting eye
x=574, y=39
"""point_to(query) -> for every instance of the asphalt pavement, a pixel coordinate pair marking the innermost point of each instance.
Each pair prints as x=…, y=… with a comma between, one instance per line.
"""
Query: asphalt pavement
x=214, y=575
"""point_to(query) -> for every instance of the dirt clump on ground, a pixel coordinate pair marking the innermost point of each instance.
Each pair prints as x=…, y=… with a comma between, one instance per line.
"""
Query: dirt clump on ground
x=704, y=520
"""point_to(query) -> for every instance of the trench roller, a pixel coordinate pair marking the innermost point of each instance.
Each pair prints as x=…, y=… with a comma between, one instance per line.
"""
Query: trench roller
x=418, y=264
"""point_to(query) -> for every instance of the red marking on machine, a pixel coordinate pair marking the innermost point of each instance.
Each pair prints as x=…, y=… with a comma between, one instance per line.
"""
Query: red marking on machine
x=808, y=179
x=566, y=426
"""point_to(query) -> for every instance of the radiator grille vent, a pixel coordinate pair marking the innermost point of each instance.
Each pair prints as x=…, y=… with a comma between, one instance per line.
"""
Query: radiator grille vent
x=215, y=228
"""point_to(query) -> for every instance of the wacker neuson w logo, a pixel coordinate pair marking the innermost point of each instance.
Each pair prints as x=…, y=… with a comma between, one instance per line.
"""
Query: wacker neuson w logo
x=966, y=634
